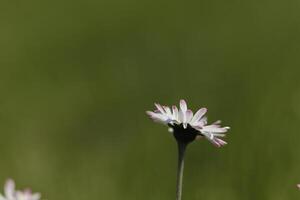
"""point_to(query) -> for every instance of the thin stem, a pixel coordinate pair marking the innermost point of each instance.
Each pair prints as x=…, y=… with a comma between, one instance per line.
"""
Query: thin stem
x=181, y=151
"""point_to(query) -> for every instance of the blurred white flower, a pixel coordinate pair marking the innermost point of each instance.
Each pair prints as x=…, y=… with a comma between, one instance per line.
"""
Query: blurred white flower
x=298, y=186
x=10, y=193
x=187, y=126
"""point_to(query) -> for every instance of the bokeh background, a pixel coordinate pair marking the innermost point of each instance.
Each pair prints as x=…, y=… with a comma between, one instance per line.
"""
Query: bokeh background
x=76, y=78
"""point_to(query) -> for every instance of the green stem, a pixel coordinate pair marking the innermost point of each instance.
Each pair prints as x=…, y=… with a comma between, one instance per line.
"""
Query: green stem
x=181, y=151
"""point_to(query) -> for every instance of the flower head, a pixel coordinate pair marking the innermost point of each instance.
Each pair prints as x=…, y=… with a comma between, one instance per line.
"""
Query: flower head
x=11, y=194
x=298, y=186
x=187, y=126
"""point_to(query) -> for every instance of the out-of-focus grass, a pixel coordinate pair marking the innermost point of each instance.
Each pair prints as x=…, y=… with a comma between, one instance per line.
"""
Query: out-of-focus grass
x=77, y=76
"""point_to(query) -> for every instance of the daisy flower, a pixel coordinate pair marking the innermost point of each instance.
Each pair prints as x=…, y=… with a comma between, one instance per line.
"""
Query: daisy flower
x=187, y=126
x=10, y=193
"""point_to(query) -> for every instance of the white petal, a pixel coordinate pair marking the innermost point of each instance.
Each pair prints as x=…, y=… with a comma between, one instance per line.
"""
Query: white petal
x=35, y=196
x=215, y=129
x=199, y=114
x=183, y=105
x=168, y=111
x=180, y=116
x=159, y=107
x=27, y=195
x=189, y=116
x=2, y=198
x=217, y=122
x=9, y=189
x=201, y=122
x=219, y=134
x=21, y=196
x=175, y=113
x=158, y=117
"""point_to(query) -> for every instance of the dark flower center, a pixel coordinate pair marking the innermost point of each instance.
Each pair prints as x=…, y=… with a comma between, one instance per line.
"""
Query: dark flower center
x=184, y=135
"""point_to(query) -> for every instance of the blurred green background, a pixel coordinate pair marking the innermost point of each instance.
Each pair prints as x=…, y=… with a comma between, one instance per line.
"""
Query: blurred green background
x=76, y=78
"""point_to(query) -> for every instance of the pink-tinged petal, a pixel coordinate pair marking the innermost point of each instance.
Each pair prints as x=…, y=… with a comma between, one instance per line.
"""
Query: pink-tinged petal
x=210, y=138
x=159, y=107
x=214, y=140
x=189, y=116
x=9, y=189
x=183, y=105
x=218, y=142
x=199, y=114
x=221, y=142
